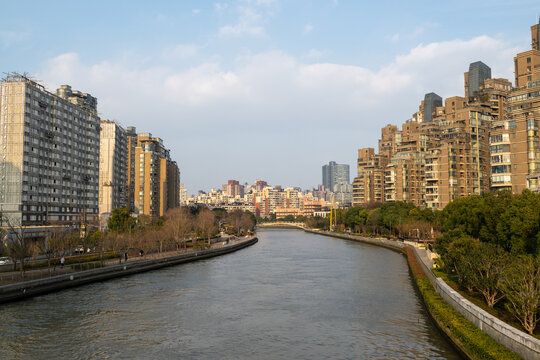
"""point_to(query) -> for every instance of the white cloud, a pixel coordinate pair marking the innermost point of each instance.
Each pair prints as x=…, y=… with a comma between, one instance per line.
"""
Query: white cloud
x=181, y=51
x=196, y=11
x=221, y=6
x=273, y=96
x=308, y=28
x=250, y=21
x=241, y=29
x=11, y=37
x=316, y=54
x=419, y=30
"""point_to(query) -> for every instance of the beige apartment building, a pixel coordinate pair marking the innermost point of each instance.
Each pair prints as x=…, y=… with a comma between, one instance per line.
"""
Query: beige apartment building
x=514, y=140
x=49, y=151
x=156, y=177
x=430, y=163
x=112, y=168
x=368, y=185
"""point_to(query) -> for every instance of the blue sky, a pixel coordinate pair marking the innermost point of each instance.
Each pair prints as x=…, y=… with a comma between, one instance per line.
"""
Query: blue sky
x=261, y=89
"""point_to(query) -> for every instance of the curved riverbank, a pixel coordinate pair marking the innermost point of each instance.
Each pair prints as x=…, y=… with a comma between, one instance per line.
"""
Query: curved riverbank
x=470, y=329
x=31, y=288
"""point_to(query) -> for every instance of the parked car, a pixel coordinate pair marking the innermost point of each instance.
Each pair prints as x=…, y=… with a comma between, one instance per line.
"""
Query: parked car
x=5, y=261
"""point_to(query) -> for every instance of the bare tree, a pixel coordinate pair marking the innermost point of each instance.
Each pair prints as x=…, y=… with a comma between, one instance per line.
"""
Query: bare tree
x=489, y=263
x=178, y=224
x=521, y=285
x=18, y=245
x=206, y=224
x=234, y=218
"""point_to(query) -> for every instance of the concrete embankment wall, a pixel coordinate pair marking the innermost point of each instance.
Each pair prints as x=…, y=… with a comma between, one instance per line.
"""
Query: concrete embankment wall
x=526, y=346
x=391, y=244
x=42, y=286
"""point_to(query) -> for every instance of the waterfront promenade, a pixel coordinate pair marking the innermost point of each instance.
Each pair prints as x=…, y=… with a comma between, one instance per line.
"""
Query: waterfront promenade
x=44, y=283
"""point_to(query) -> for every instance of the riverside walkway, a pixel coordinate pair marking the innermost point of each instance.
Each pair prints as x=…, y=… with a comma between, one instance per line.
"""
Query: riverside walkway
x=43, y=281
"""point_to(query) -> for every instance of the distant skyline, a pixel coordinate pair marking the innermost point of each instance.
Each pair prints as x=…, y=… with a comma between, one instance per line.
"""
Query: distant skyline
x=261, y=89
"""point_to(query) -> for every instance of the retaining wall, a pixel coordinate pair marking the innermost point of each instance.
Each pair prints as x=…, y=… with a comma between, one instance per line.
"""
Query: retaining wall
x=519, y=342
x=42, y=286
x=391, y=244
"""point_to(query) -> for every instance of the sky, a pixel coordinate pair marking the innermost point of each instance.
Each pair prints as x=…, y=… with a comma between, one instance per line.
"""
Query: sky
x=261, y=89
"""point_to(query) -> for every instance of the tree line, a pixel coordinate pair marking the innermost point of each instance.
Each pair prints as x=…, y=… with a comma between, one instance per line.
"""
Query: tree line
x=179, y=228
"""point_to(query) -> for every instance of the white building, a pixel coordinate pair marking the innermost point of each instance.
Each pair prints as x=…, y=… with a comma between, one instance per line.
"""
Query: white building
x=112, y=167
x=49, y=153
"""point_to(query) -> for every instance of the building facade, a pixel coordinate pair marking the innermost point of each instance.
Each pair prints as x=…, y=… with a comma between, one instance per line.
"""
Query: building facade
x=156, y=177
x=49, y=151
x=112, y=167
x=334, y=173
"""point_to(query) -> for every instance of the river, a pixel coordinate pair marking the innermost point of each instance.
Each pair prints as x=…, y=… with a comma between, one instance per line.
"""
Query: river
x=293, y=295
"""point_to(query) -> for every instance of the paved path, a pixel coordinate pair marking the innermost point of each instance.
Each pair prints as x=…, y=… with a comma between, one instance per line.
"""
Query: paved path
x=11, y=277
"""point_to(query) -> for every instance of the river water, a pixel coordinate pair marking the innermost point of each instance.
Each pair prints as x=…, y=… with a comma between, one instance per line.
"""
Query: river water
x=293, y=295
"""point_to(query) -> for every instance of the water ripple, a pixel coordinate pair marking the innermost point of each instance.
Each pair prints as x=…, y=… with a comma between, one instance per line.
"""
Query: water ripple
x=293, y=295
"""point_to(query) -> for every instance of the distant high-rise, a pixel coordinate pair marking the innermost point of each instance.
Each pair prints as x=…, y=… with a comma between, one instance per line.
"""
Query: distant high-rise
x=334, y=173
x=474, y=79
x=431, y=101
x=233, y=188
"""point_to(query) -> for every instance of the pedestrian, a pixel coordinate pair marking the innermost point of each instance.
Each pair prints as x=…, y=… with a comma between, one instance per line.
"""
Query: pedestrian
x=62, y=262
x=125, y=256
x=141, y=253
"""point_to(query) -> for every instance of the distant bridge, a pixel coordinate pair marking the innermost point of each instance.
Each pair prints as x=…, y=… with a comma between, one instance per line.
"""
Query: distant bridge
x=282, y=224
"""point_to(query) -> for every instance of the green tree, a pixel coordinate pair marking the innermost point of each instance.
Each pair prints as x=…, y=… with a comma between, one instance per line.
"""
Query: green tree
x=252, y=217
x=355, y=217
x=318, y=222
x=121, y=220
x=521, y=285
x=289, y=218
x=220, y=213
x=519, y=225
x=395, y=213
x=372, y=220
x=464, y=213
x=494, y=205
x=454, y=248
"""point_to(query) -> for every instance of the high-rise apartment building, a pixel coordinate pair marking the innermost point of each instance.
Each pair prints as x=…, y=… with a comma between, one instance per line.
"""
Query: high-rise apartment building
x=487, y=140
x=515, y=140
x=183, y=195
x=334, y=173
x=429, y=163
x=368, y=185
x=431, y=102
x=49, y=151
x=112, y=167
x=131, y=144
x=156, y=177
x=474, y=78
x=233, y=188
